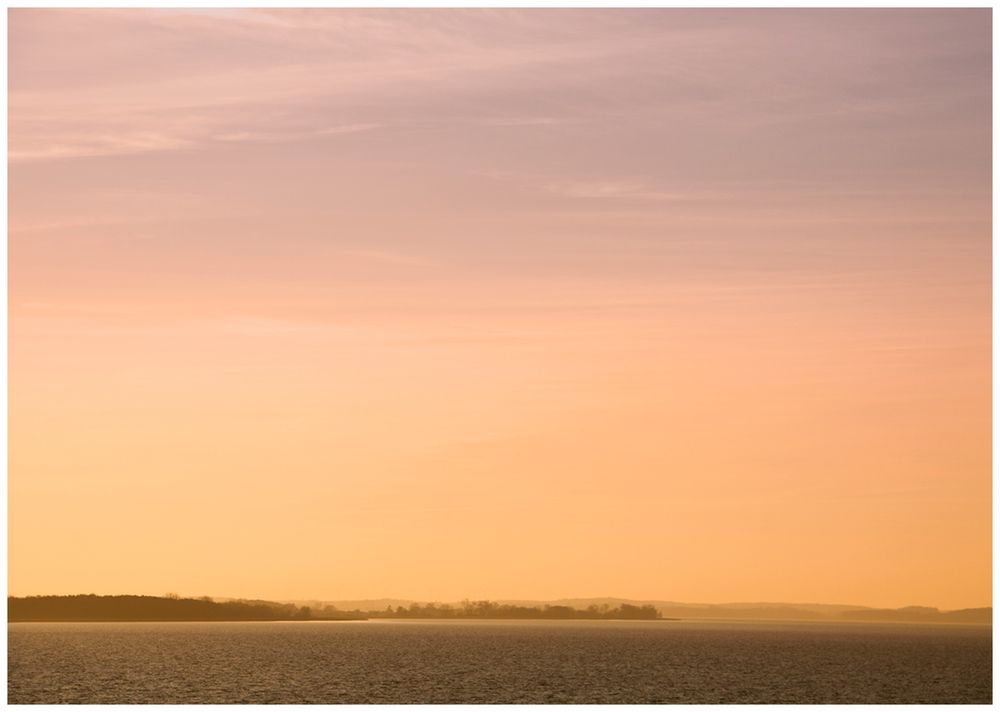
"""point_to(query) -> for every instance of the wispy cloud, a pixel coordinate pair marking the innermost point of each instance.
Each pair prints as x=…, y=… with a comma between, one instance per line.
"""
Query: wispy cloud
x=390, y=257
x=633, y=190
x=75, y=145
x=278, y=136
x=324, y=73
x=607, y=189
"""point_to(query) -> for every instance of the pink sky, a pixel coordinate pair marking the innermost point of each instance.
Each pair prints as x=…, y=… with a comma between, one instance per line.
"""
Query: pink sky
x=688, y=305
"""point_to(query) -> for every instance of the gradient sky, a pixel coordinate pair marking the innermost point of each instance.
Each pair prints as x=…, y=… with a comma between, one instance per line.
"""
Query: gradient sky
x=685, y=305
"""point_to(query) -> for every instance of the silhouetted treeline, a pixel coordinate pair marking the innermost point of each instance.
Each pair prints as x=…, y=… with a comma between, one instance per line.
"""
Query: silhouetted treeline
x=489, y=609
x=156, y=608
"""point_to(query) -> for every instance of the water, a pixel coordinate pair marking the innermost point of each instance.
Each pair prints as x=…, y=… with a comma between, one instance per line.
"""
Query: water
x=497, y=662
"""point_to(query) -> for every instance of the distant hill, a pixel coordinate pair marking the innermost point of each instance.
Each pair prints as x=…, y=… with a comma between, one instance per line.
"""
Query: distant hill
x=920, y=614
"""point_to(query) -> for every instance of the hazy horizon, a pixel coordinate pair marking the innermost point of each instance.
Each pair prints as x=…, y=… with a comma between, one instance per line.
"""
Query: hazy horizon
x=692, y=305
x=519, y=599
x=381, y=601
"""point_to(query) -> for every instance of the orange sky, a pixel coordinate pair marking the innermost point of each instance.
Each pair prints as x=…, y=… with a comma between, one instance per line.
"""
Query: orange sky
x=685, y=305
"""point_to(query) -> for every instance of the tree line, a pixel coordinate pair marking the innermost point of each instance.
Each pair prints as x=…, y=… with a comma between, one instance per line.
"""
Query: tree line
x=491, y=609
x=89, y=607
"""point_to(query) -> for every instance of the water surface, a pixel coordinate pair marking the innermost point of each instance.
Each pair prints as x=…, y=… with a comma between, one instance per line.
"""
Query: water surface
x=498, y=662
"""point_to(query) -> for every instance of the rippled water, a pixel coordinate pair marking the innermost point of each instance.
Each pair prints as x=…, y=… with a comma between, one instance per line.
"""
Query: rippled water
x=499, y=662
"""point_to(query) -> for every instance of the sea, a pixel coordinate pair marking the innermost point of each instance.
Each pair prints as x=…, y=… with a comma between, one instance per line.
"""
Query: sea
x=527, y=662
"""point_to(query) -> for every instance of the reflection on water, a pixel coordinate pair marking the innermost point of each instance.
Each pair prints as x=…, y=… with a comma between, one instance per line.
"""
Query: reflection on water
x=500, y=662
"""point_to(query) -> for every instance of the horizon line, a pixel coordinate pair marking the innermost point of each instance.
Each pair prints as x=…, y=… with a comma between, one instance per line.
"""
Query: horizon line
x=329, y=600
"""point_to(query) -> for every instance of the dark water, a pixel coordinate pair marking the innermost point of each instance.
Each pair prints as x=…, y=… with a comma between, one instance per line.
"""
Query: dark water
x=498, y=662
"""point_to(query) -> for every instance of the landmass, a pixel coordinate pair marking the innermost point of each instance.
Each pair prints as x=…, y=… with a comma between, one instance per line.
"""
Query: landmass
x=171, y=607
x=160, y=608
x=491, y=609
x=91, y=607
x=716, y=611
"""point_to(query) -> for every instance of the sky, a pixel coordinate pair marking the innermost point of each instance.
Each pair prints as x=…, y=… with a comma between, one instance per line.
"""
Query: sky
x=444, y=304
